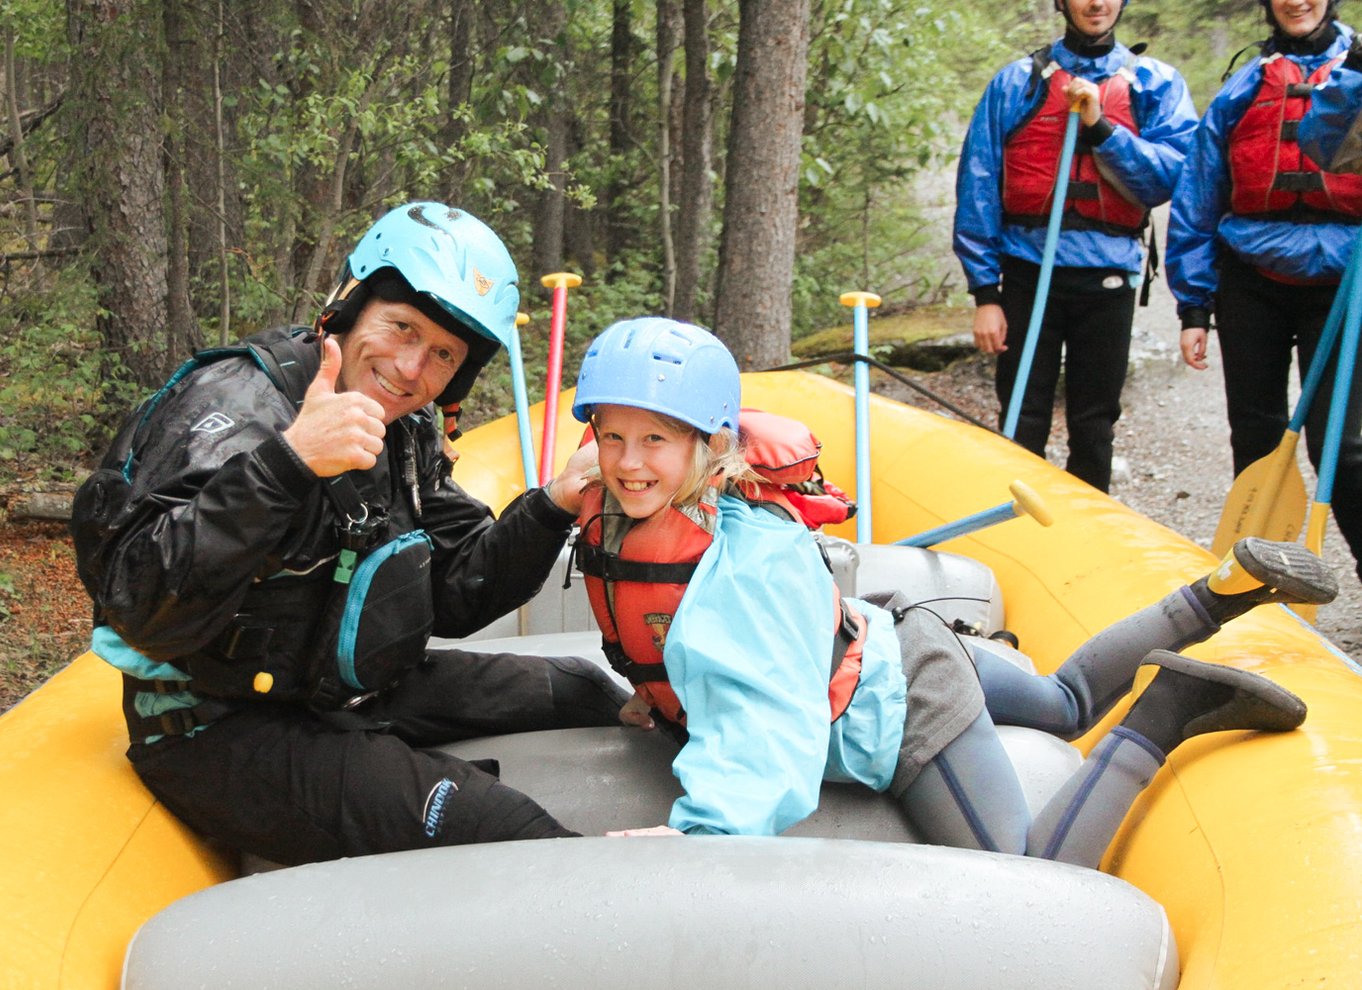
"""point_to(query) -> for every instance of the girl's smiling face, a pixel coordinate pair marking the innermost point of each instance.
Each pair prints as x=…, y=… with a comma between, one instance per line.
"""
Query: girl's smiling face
x=644, y=459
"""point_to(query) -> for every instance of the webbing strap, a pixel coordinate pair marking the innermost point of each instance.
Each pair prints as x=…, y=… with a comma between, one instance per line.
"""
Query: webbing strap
x=594, y=561
x=634, y=673
x=846, y=635
x=1298, y=182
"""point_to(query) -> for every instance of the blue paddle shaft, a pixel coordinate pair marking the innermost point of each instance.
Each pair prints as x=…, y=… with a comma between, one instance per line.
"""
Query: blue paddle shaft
x=522, y=410
x=1328, y=337
x=970, y=524
x=1047, y=266
x=1343, y=380
x=860, y=343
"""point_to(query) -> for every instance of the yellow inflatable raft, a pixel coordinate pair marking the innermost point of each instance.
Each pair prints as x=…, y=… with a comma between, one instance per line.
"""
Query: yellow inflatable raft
x=1252, y=844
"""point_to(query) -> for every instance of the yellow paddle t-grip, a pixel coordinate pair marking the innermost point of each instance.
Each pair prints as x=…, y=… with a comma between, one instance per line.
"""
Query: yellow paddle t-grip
x=1027, y=502
x=867, y=299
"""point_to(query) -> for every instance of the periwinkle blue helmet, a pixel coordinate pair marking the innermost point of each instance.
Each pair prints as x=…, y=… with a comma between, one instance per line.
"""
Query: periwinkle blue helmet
x=445, y=262
x=663, y=366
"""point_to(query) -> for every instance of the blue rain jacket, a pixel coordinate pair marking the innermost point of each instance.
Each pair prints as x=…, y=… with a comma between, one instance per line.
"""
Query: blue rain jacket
x=1200, y=224
x=748, y=654
x=1329, y=131
x=1146, y=164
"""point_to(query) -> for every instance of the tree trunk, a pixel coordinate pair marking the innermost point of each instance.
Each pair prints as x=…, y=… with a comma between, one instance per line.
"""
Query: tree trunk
x=17, y=156
x=180, y=76
x=224, y=267
x=761, y=205
x=462, y=25
x=697, y=190
x=117, y=99
x=548, y=223
x=621, y=128
x=666, y=48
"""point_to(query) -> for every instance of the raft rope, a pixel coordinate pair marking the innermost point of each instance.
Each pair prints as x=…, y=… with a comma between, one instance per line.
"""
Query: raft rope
x=852, y=356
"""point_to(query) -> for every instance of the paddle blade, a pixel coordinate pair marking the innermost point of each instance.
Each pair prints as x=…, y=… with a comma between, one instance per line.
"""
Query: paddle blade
x=1267, y=499
x=1314, y=532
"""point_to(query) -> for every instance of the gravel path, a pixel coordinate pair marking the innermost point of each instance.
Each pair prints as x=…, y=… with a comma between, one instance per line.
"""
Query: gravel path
x=1172, y=445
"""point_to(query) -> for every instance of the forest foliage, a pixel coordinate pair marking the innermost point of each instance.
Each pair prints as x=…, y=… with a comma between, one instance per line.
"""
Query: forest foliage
x=253, y=140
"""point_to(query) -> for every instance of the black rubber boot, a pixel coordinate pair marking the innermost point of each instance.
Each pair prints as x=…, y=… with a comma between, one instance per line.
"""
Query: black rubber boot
x=1188, y=698
x=1256, y=572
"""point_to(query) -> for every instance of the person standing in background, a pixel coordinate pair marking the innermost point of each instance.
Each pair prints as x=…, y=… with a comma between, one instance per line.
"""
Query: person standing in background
x=1259, y=236
x=1136, y=124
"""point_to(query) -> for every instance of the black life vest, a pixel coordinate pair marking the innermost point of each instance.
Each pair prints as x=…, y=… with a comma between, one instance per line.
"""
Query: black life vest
x=296, y=638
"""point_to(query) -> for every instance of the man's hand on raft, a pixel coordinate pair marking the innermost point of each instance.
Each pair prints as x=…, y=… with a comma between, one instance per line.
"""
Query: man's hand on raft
x=637, y=712
x=630, y=833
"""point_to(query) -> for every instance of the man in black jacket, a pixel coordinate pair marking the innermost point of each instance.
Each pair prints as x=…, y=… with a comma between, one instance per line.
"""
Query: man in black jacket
x=274, y=535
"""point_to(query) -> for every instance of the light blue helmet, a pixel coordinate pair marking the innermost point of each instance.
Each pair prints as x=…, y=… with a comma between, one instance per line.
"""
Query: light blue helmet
x=452, y=267
x=663, y=366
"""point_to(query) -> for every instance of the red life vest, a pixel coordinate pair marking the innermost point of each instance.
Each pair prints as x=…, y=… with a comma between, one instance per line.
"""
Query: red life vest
x=1269, y=175
x=1094, y=199
x=637, y=571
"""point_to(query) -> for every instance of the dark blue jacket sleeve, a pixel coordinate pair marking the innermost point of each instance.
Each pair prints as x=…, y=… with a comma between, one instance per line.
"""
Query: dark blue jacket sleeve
x=1331, y=131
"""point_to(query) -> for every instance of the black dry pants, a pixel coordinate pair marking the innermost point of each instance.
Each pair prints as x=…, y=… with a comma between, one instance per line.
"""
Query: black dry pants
x=1260, y=321
x=1087, y=327
x=285, y=784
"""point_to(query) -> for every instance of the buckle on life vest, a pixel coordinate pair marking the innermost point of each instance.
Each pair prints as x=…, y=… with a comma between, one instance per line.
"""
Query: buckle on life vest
x=594, y=561
x=847, y=647
x=174, y=721
x=1298, y=182
x=634, y=673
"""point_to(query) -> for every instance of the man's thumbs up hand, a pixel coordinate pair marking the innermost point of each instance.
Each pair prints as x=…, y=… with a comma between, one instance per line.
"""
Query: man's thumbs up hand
x=335, y=431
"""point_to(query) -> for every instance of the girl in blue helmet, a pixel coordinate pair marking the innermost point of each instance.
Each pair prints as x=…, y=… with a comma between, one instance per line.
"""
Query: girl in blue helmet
x=727, y=620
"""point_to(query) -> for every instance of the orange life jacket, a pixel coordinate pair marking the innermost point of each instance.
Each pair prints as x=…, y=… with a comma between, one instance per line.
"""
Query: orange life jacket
x=1093, y=199
x=1269, y=174
x=637, y=571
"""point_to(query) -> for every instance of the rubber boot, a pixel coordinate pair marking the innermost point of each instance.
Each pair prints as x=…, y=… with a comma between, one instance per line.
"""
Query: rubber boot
x=1187, y=698
x=1256, y=572
x=1070, y=701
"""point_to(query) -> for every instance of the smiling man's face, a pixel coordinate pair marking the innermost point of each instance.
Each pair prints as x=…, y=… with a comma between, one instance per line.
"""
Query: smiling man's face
x=399, y=357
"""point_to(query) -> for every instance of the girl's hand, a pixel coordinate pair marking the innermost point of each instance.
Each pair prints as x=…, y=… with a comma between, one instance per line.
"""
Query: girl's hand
x=637, y=712
x=630, y=833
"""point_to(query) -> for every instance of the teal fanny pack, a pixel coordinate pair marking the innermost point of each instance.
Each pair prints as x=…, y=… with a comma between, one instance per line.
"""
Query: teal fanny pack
x=377, y=620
